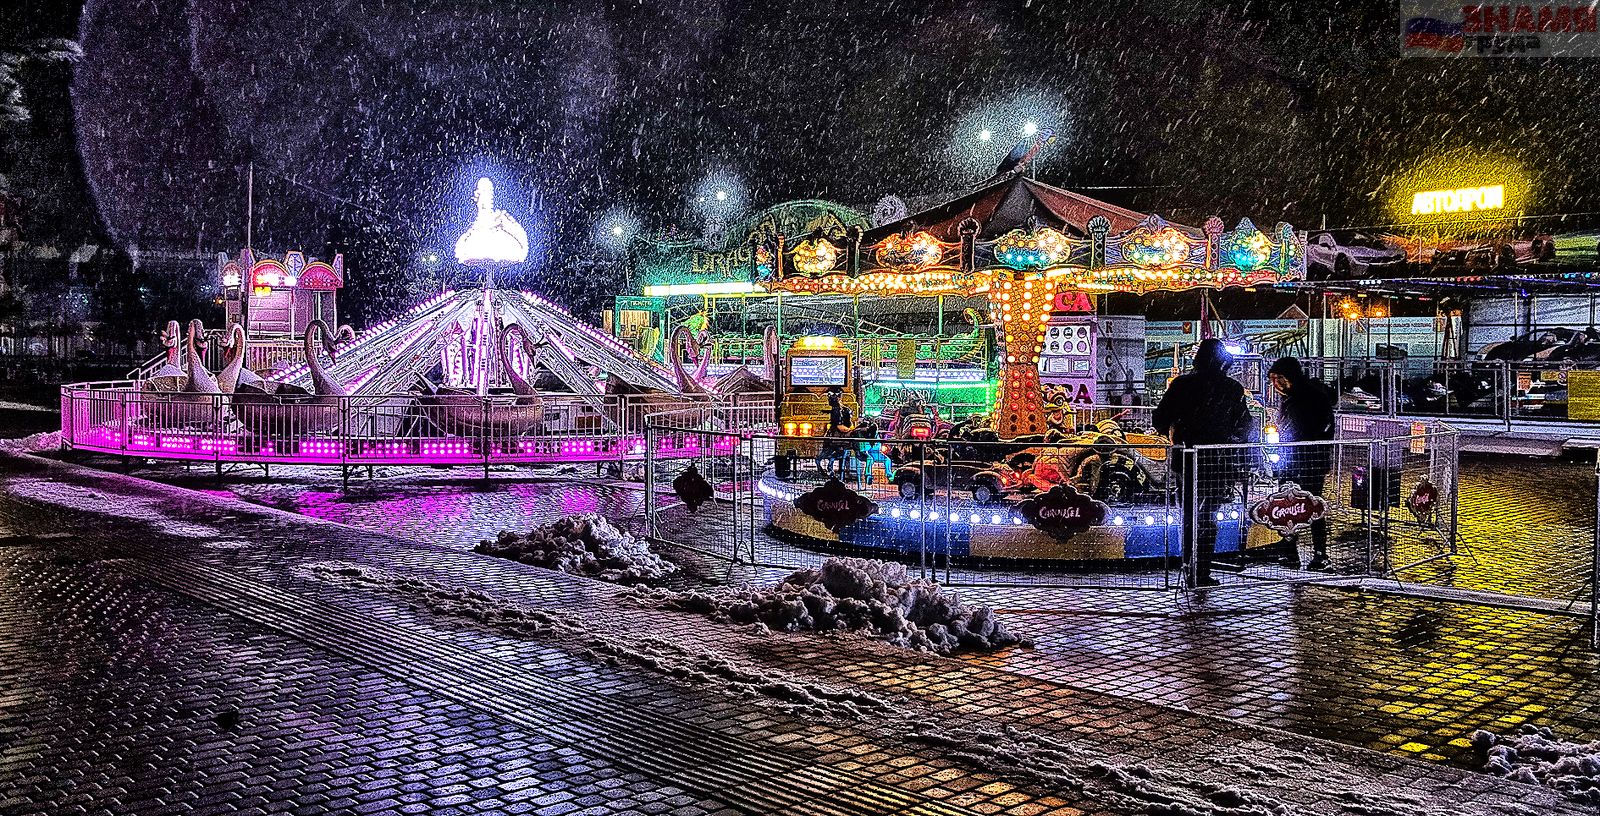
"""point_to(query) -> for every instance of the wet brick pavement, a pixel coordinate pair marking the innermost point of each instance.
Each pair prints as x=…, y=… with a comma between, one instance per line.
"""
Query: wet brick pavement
x=124, y=673
x=1412, y=677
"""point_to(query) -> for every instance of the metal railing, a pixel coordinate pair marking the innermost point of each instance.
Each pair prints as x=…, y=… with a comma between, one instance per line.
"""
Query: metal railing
x=1476, y=389
x=959, y=508
x=400, y=428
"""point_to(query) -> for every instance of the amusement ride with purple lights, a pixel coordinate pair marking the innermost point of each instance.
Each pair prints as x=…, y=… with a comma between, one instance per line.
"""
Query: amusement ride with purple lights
x=485, y=376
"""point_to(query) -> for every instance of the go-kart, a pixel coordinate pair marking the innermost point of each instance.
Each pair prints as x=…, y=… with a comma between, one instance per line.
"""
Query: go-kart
x=1104, y=462
x=988, y=482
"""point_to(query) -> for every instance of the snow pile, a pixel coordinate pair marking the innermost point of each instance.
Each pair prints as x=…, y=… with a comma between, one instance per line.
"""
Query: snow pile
x=584, y=545
x=1534, y=755
x=872, y=598
x=35, y=443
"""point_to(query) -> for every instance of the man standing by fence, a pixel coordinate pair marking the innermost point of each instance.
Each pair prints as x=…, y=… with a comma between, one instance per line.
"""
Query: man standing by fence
x=1204, y=407
x=1306, y=415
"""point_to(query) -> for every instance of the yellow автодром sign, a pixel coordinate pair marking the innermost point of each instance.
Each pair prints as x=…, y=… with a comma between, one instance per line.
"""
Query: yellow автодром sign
x=1466, y=199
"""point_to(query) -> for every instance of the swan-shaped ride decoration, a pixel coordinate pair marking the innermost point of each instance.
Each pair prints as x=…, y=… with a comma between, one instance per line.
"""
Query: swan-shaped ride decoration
x=283, y=410
x=233, y=370
x=462, y=411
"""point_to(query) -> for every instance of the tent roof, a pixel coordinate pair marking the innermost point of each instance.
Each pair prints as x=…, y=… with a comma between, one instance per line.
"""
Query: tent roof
x=1009, y=204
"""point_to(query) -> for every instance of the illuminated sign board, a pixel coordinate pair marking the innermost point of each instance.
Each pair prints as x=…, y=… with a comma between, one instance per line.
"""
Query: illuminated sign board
x=818, y=370
x=1466, y=199
x=1075, y=302
x=717, y=288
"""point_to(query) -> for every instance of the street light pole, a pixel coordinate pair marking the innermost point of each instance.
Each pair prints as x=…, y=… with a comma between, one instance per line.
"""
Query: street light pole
x=249, y=200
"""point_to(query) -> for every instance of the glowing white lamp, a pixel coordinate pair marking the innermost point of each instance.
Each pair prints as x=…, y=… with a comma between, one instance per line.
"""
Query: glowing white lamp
x=495, y=238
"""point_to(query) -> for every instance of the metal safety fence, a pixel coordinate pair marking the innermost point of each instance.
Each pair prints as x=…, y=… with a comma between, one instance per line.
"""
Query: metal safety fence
x=1108, y=504
x=1377, y=507
x=421, y=428
x=1505, y=390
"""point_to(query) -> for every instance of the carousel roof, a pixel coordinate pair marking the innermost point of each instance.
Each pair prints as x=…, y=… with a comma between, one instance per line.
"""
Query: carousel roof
x=1013, y=202
x=388, y=357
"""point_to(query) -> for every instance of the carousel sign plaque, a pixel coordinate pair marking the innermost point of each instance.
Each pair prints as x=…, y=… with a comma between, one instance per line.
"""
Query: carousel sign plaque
x=835, y=505
x=692, y=488
x=1424, y=503
x=1063, y=511
x=1289, y=510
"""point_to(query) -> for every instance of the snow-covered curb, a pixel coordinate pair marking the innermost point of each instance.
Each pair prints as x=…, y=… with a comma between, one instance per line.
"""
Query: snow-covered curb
x=586, y=545
x=876, y=599
x=1535, y=756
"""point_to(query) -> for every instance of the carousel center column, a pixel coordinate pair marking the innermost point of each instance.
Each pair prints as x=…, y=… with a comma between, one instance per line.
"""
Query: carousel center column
x=1019, y=305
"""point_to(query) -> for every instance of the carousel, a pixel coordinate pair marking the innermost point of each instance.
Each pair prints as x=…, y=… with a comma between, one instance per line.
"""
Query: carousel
x=486, y=375
x=980, y=487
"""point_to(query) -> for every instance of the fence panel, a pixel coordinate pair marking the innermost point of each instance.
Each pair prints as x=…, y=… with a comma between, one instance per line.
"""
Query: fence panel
x=1274, y=511
x=1096, y=509
x=696, y=489
x=1417, y=487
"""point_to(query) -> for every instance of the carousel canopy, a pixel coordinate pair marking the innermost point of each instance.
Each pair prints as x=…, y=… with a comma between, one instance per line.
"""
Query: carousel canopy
x=1011, y=203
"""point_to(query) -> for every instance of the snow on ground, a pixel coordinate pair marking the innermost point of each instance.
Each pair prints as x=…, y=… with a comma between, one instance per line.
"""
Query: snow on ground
x=1534, y=755
x=8, y=405
x=585, y=545
x=135, y=508
x=877, y=599
x=467, y=603
x=1238, y=781
x=34, y=443
x=685, y=663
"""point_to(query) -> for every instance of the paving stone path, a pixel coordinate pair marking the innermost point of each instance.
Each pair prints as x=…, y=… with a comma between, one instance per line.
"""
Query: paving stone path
x=168, y=651
x=1410, y=676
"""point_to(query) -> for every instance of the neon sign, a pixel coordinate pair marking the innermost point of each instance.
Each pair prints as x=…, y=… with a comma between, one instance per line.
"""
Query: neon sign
x=1466, y=199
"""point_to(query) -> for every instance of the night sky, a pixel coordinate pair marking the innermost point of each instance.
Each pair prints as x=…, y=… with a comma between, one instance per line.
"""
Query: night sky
x=368, y=120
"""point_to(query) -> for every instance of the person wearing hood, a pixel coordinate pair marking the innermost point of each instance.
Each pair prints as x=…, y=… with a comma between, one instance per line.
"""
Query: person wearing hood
x=1204, y=407
x=1305, y=415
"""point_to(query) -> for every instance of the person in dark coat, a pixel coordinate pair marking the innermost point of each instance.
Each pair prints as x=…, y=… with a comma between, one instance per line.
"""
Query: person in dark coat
x=1306, y=415
x=1205, y=407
